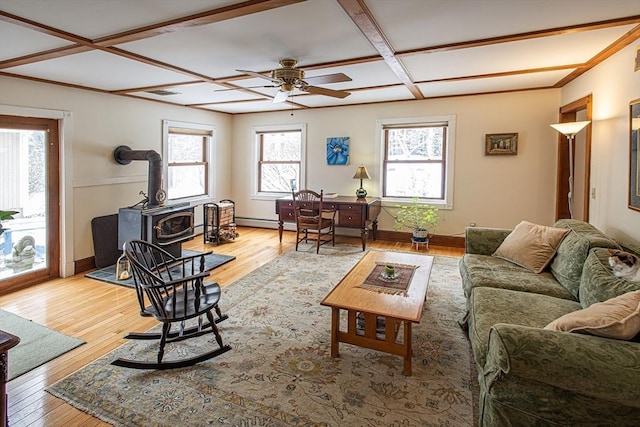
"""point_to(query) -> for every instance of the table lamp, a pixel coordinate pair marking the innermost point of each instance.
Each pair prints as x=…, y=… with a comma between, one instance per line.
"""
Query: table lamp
x=361, y=174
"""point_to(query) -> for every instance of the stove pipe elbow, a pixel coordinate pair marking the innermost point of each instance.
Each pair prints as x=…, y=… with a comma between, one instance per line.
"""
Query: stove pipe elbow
x=124, y=155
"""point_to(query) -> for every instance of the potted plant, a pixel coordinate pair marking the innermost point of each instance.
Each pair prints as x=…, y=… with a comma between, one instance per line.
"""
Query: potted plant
x=421, y=218
x=3, y=216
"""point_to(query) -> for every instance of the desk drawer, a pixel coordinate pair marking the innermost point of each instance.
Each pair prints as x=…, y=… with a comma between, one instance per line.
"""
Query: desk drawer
x=349, y=219
x=353, y=208
x=286, y=214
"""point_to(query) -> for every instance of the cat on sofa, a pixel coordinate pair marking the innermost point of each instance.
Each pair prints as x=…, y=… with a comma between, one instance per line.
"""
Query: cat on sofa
x=625, y=265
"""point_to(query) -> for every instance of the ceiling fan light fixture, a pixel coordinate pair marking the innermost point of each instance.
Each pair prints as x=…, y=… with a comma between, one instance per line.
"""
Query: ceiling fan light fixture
x=288, y=77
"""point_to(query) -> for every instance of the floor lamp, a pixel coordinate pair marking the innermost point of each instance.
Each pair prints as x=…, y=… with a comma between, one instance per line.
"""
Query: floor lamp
x=570, y=130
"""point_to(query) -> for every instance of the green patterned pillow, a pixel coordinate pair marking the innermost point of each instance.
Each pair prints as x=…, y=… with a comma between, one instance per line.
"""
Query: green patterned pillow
x=598, y=282
x=567, y=265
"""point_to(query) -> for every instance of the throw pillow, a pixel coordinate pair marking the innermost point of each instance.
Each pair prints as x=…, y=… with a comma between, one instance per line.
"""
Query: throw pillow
x=531, y=246
x=617, y=318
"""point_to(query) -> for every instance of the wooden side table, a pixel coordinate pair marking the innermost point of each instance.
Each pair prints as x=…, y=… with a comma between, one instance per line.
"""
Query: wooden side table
x=7, y=341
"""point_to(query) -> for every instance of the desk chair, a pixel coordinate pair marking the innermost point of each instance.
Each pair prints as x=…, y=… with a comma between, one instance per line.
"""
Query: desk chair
x=312, y=218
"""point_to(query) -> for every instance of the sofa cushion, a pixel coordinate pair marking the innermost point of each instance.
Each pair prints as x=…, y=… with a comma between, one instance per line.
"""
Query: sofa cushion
x=493, y=272
x=617, y=318
x=572, y=252
x=598, y=282
x=531, y=246
x=489, y=306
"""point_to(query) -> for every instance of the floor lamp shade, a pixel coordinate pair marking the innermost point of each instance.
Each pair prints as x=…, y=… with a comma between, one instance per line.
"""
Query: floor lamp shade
x=570, y=128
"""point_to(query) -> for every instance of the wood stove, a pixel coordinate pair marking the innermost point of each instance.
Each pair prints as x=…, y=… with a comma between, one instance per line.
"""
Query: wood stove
x=150, y=220
x=166, y=226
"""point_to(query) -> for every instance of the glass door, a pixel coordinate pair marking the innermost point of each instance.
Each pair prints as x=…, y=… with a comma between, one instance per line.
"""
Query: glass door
x=29, y=201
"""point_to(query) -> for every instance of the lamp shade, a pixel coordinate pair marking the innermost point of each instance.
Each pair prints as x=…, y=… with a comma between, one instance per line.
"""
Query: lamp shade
x=570, y=128
x=361, y=173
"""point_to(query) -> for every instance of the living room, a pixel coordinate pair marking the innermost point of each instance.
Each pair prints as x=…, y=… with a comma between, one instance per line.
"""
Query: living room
x=489, y=191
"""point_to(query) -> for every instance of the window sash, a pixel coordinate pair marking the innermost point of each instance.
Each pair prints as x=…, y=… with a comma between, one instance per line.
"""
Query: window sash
x=194, y=171
x=388, y=163
x=264, y=164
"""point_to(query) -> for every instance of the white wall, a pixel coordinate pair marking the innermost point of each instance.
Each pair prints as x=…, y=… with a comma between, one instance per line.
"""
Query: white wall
x=95, y=124
x=613, y=84
x=496, y=191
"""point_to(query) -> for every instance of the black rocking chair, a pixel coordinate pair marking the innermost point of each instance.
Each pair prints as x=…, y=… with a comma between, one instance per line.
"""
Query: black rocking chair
x=176, y=292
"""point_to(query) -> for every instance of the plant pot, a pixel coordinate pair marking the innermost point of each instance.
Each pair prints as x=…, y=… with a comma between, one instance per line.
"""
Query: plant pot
x=420, y=235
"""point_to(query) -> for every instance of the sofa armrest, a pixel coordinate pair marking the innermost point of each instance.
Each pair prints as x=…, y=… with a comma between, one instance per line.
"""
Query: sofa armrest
x=585, y=365
x=484, y=240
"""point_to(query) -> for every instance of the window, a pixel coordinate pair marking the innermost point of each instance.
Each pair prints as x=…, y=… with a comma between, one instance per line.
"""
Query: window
x=415, y=161
x=280, y=159
x=187, y=157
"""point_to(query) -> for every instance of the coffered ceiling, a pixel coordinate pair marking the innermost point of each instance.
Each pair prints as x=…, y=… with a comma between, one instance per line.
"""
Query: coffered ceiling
x=187, y=52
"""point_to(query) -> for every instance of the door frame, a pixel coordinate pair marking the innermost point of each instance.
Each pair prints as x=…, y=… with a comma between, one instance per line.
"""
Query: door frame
x=52, y=128
x=568, y=113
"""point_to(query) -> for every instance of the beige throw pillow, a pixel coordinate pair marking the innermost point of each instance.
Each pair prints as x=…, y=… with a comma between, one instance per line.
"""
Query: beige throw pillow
x=531, y=245
x=617, y=318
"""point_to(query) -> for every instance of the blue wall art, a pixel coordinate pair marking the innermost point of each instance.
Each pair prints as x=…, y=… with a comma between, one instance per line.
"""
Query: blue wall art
x=338, y=150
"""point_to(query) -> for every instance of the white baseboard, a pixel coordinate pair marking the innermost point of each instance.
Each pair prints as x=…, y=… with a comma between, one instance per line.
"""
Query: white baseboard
x=289, y=226
x=263, y=223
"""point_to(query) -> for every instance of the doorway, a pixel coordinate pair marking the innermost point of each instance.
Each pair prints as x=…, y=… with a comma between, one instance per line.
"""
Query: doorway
x=578, y=110
x=29, y=171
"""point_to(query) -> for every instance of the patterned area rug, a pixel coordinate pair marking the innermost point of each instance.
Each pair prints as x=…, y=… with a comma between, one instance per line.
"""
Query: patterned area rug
x=280, y=372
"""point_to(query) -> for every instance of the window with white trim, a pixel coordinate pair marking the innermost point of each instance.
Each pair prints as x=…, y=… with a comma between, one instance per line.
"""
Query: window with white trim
x=187, y=157
x=280, y=158
x=416, y=159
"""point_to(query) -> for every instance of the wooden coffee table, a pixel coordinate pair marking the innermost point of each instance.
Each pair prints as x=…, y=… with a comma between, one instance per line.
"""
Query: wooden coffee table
x=396, y=310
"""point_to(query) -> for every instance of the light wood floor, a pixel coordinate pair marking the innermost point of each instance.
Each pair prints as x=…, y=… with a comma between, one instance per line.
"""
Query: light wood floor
x=100, y=314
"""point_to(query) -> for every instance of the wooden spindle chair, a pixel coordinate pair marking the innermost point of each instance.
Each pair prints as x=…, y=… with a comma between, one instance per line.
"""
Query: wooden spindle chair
x=313, y=218
x=177, y=292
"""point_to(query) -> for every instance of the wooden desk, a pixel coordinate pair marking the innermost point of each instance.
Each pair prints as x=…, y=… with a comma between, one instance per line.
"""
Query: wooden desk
x=351, y=213
x=7, y=341
x=397, y=310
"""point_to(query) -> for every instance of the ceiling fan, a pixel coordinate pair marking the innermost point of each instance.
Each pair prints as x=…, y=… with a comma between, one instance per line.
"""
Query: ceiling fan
x=288, y=77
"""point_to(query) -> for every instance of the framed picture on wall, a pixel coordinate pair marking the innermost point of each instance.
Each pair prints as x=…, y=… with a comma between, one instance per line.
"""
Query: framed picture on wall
x=634, y=155
x=338, y=150
x=500, y=144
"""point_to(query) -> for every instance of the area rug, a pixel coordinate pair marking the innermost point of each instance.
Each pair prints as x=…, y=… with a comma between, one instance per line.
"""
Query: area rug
x=108, y=274
x=280, y=371
x=38, y=344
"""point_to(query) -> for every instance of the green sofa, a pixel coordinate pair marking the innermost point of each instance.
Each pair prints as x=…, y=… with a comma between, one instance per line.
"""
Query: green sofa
x=531, y=376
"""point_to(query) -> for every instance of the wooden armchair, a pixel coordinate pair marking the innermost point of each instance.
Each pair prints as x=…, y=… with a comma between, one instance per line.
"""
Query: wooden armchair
x=176, y=292
x=313, y=218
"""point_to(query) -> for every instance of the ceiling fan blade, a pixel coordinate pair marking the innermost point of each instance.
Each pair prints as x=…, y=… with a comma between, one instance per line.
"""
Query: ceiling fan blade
x=262, y=76
x=281, y=96
x=328, y=92
x=328, y=78
x=243, y=87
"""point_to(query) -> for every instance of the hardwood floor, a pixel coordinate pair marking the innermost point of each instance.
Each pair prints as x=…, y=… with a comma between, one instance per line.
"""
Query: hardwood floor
x=100, y=314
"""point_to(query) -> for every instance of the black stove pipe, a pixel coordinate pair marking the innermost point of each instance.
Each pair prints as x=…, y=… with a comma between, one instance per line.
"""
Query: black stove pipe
x=124, y=155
